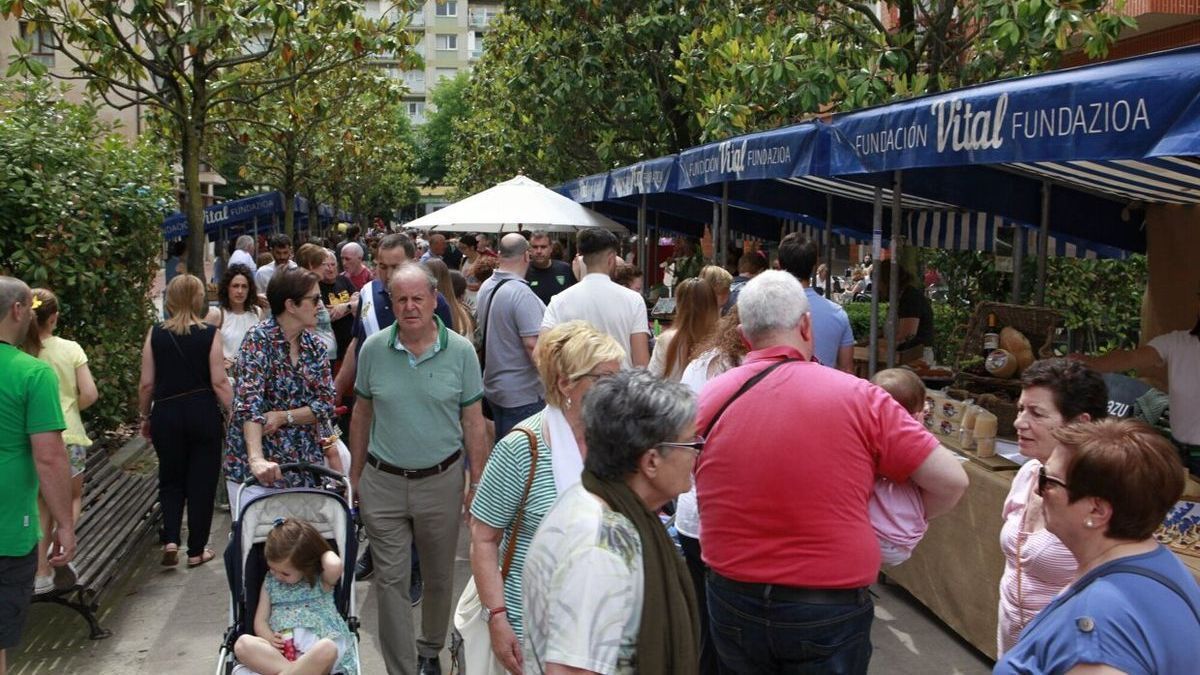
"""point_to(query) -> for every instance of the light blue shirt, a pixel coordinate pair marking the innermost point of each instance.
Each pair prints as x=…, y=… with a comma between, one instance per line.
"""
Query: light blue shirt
x=831, y=328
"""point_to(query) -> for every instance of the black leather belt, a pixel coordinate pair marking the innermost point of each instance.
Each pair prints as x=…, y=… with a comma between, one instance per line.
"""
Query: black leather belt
x=812, y=596
x=413, y=473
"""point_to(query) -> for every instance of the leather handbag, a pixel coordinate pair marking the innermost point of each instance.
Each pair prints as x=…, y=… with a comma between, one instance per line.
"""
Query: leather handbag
x=470, y=616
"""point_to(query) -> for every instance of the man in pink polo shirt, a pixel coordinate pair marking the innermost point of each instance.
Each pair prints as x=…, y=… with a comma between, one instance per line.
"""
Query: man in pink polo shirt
x=783, y=485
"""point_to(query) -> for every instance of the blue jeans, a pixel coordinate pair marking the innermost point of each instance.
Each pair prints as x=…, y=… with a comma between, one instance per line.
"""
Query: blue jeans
x=762, y=635
x=507, y=418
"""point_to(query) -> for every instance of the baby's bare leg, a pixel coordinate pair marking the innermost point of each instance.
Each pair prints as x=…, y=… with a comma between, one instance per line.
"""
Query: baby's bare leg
x=258, y=655
x=316, y=661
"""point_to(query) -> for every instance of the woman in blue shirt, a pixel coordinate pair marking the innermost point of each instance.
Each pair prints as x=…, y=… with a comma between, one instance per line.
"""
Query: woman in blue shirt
x=1134, y=609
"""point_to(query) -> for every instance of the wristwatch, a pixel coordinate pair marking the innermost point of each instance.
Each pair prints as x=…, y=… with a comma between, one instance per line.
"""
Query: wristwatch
x=290, y=420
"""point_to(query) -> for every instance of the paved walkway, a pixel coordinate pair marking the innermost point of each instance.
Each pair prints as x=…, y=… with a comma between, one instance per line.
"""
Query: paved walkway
x=172, y=621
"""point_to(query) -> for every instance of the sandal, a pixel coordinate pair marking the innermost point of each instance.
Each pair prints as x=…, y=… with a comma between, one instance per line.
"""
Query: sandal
x=196, y=561
x=170, y=556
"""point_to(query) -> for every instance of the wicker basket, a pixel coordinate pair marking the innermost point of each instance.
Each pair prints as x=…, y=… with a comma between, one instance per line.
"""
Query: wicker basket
x=1038, y=324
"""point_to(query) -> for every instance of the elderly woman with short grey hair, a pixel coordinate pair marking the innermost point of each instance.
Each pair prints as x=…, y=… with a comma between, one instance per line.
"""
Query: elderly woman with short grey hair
x=605, y=590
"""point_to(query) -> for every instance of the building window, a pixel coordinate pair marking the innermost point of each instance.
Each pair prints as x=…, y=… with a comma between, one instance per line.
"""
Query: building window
x=447, y=42
x=415, y=110
x=41, y=42
x=442, y=73
x=447, y=8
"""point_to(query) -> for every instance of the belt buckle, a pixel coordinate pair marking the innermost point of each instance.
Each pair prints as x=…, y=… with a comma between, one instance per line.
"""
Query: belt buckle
x=407, y=473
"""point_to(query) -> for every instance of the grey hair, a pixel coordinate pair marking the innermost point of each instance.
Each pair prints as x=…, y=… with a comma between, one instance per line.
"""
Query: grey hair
x=245, y=243
x=627, y=414
x=512, y=246
x=329, y=253
x=772, y=301
x=12, y=291
x=409, y=267
x=356, y=246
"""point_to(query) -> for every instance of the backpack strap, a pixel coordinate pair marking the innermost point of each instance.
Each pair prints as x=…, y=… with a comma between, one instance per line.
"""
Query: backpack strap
x=516, y=528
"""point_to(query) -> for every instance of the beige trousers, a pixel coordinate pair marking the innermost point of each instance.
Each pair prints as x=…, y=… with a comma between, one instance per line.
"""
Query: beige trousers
x=398, y=511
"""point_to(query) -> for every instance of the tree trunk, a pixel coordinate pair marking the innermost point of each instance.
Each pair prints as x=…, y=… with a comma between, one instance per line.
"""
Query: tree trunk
x=193, y=200
x=289, y=212
x=314, y=216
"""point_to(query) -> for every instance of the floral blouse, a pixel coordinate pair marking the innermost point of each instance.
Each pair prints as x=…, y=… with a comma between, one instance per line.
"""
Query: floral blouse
x=268, y=381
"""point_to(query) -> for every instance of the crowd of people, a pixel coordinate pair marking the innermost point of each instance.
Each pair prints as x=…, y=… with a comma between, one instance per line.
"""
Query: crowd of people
x=494, y=384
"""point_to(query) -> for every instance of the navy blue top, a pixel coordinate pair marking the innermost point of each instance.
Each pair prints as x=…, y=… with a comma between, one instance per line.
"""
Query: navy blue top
x=381, y=303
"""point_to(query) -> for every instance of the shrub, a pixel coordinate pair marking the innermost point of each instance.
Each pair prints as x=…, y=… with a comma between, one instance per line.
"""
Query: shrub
x=79, y=214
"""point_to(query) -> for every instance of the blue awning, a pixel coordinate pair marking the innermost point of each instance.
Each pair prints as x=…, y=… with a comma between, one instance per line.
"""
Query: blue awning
x=235, y=214
x=780, y=153
x=586, y=190
x=650, y=177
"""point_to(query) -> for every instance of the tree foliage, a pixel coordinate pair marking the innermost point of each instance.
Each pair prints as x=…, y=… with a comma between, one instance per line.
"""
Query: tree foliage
x=79, y=214
x=188, y=59
x=571, y=87
x=436, y=137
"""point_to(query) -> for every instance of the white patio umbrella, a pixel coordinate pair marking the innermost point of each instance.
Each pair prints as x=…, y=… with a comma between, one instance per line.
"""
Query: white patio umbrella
x=516, y=204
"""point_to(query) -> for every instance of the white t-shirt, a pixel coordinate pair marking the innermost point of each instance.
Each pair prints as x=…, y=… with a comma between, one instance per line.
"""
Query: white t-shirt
x=609, y=306
x=695, y=376
x=262, y=278
x=1181, y=350
x=582, y=589
x=240, y=257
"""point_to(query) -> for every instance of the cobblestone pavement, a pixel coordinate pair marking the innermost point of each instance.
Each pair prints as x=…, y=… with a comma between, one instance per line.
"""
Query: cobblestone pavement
x=172, y=621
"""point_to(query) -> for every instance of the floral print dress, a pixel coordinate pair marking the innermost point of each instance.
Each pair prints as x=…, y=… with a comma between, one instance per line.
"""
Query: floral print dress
x=266, y=381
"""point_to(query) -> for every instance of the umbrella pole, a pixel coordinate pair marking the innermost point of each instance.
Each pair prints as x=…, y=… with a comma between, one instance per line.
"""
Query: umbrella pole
x=1043, y=245
x=894, y=280
x=876, y=253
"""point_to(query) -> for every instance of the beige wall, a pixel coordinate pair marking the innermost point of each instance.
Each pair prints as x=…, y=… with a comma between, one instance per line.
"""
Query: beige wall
x=127, y=119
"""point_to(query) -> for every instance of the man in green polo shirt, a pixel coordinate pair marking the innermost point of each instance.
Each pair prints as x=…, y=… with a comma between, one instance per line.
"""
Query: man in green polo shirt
x=31, y=451
x=418, y=389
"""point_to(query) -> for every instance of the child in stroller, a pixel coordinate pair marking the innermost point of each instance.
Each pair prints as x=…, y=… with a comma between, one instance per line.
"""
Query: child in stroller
x=298, y=597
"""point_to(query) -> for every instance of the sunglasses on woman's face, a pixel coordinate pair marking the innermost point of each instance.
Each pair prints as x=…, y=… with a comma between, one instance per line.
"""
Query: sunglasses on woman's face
x=1044, y=479
x=695, y=445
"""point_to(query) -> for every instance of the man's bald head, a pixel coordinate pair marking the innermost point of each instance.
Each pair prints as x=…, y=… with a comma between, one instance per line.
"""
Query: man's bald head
x=513, y=246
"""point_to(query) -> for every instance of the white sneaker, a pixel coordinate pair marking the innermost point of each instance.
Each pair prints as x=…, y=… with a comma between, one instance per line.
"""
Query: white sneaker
x=43, y=584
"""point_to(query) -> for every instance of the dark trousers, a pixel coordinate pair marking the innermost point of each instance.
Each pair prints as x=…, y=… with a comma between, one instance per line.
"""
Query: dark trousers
x=507, y=418
x=762, y=634
x=710, y=661
x=187, y=436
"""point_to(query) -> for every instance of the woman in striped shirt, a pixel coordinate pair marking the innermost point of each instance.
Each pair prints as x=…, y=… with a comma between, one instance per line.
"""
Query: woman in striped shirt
x=570, y=358
x=1037, y=566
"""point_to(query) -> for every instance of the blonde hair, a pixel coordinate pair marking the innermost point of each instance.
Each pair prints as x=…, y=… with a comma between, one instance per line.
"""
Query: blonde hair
x=718, y=277
x=186, y=303
x=570, y=350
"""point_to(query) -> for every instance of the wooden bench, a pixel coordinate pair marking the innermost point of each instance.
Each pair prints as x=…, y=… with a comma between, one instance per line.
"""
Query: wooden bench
x=120, y=508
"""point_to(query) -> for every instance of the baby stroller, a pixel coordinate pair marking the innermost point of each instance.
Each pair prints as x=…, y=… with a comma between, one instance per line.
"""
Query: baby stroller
x=246, y=567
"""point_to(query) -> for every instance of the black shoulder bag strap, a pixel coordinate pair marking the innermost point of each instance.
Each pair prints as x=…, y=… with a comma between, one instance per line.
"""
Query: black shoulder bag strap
x=484, y=323
x=746, y=386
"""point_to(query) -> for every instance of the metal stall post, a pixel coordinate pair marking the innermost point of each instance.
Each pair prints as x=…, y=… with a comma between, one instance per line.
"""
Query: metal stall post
x=1018, y=261
x=876, y=253
x=717, y=227
x=726, y=233
x=642, y=248
x=827, y=254
x=894, y=280
x=1043, y=246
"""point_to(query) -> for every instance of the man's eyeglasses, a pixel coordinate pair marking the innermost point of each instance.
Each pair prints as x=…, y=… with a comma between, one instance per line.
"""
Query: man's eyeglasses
x=695, y=445
x=1043, y=480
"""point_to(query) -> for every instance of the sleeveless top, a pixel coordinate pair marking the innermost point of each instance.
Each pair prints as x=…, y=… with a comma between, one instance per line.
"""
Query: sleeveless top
x=313, y=608
x=181, y=362
x=233, y=329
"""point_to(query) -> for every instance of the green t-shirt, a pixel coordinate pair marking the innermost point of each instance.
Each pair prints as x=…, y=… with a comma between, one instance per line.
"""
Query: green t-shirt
x=418, y=400
x=28, y=405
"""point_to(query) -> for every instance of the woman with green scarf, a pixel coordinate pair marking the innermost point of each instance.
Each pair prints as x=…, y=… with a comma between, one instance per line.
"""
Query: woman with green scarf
x=605, y=589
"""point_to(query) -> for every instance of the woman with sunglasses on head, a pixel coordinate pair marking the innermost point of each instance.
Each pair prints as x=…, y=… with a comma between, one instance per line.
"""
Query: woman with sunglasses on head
x=1134, y=608
x=570, y=359
x=1054, y=392
x=1179, y=352
x=283, y=396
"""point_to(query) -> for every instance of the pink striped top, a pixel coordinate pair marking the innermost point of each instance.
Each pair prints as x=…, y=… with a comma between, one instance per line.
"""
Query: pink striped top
x=1047, y=566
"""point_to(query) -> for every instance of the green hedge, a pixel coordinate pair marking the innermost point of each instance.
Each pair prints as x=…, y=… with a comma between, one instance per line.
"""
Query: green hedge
x=80, y=209
x=947, y=336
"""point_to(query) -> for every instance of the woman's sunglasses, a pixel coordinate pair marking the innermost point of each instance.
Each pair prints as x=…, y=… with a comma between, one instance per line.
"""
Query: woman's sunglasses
x=1043, y=480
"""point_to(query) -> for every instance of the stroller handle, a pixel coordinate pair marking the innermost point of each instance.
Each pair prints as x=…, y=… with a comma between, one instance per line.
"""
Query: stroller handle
x=303, y=467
